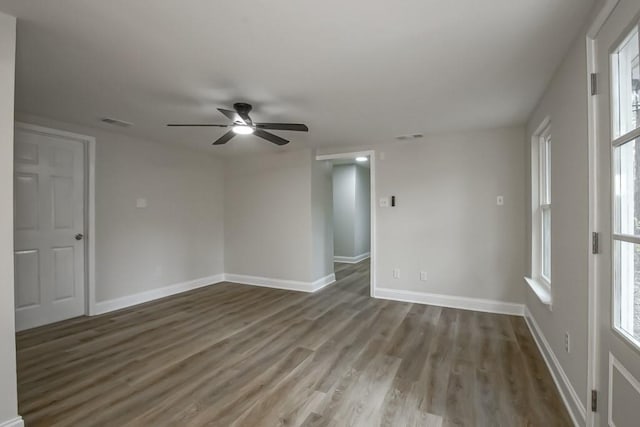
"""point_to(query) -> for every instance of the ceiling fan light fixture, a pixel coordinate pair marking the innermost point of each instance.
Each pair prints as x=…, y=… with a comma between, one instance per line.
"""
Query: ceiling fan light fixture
x=243, y=130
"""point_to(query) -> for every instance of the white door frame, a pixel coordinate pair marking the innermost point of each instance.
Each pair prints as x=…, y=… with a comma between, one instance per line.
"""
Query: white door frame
x=372, y=174
x=594, y=225
x=89, y=143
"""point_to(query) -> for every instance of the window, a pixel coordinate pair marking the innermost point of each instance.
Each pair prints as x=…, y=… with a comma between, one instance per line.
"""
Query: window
x=625, y=95
x=545, y=205
x=540, y=280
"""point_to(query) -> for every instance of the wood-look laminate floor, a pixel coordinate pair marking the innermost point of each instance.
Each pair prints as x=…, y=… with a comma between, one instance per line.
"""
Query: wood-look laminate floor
x=233, y=355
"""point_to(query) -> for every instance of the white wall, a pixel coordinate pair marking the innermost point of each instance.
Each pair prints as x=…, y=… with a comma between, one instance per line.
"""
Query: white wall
x=565, y=103
x=344, y=215
x=446, y=221
x=179, y=237
x=351, y=210
x=8, y=388
x=322, y=218
x=268, y=216
x=362, y=230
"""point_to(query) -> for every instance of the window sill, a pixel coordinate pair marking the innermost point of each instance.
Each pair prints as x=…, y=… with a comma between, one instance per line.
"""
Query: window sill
x=542, y=291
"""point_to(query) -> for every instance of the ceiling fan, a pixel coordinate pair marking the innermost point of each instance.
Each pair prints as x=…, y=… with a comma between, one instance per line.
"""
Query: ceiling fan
x=243, y=125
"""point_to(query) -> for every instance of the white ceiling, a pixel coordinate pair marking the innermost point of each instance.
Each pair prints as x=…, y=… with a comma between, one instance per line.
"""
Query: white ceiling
x=356, y=72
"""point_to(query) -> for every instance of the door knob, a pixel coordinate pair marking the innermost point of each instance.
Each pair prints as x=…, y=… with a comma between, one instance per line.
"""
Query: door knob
x=79, y=236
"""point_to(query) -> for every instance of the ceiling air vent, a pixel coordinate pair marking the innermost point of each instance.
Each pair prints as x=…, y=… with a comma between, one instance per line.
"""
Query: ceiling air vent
x=409, y=137
x=116, y=122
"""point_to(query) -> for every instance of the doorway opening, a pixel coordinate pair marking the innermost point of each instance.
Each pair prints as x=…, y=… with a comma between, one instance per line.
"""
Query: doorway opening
x=353, y=184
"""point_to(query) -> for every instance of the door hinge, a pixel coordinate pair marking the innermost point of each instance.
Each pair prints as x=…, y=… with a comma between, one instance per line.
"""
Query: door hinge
x=594, y=84
x=594, y=243
x=594, y=400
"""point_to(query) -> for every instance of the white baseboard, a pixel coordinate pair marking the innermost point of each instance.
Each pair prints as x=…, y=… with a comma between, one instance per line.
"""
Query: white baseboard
x=102, y=307
x=464, y=303
x=323, y=282
x=352, y=259
x=15, y=422
x=290, y=285
x=570, y=398
x=154, y=294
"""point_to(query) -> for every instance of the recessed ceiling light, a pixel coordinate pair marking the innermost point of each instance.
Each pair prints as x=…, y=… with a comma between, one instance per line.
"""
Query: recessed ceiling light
x=243, y=130
x=361, y=159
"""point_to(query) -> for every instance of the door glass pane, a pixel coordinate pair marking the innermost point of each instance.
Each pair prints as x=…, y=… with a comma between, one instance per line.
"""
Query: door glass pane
x=626, y=85
x=546, y=243
x=627, y=188
x=627, y=282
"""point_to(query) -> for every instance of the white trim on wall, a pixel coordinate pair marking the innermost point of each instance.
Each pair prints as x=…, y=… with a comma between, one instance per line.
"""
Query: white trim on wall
x=102, y=307
x=89, y=143
x=571, y=400
x=463, y=303
x=615, y=363
x=14, y=422
x=289, y=285
x=352, y=259
x=178, y=288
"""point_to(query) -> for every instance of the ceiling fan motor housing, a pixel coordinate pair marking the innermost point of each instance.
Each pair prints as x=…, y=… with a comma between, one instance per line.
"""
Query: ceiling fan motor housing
x=242, y=107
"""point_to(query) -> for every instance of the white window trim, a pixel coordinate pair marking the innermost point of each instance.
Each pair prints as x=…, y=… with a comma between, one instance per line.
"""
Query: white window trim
x=538, y=283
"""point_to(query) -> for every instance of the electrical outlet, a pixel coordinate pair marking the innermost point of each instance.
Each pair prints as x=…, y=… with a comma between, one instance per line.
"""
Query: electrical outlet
x=423, y=276
x=567, y=342
x=396, y=273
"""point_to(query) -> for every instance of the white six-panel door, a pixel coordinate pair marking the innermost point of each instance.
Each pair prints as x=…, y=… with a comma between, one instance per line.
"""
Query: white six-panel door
x=49, y=227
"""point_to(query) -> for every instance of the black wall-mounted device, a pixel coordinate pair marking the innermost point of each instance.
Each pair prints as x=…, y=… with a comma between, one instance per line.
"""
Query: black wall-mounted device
x=393, y=201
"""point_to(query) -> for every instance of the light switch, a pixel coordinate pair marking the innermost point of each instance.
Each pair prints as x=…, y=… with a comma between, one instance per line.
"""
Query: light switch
x=500, y=200
x=141, y=203
x=384, y=202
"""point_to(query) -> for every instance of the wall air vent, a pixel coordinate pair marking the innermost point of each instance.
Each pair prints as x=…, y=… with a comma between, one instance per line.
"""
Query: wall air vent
x=116, y=122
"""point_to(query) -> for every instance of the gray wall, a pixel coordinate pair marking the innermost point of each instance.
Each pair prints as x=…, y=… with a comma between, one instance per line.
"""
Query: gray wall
x=177, y=238
x=8, y=399
x=268, y=216
x=351, y=210
x=344, y=216
x=565, y=103
x=362, y=229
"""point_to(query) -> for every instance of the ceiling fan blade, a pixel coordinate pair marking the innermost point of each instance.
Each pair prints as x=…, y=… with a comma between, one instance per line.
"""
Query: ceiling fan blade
x=231, y=115
x=283, y=126
x=270, y=137
x=196, y=124
x=246, y=119
x=225, y=138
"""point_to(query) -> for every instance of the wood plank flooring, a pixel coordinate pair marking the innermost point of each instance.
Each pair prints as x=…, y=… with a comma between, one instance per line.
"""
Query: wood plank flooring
x=235, y=355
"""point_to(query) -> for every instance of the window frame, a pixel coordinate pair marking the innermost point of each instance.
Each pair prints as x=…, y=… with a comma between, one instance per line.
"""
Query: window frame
x=540, y=173
x=544, y=202
x=618, y=237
